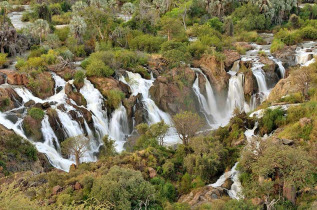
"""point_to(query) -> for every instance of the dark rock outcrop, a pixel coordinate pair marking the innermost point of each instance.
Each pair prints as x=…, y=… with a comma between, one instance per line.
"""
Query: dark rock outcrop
x=287, y=55
x=76, y=96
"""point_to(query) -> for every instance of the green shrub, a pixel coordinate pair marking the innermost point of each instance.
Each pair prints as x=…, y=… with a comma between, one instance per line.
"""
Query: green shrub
x=36, y=113
x=62, y=33
x=56, y=9
x=147, y=43
x=309, y=32
x=114, y=98
x=185, y=184
x=277, y=45
x=98, y=68
x=288, y=37
x=197, y=49
x=20, y=63
x=79, y=77
x=215, y=23
x=271, y=120
x=3, y=59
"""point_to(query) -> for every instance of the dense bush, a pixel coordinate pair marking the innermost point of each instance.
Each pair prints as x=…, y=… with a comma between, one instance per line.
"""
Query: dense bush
x=98, y=68
x=146, y=43
x=36, y=113
x=271, y=120
x=309, y=32
x=277, y=45
x=124, y=188
x=3, y=59
x=114, y=98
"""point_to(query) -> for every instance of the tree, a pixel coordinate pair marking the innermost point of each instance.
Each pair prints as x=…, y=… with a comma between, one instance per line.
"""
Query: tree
x=187, y=124
x=78, y=7
x=5, y=7
x=171, y=27
x=40, y=28
x=77, y=146
x=128, y=8
x=156, y=131
x=228, y=27
x=108, y=147
x=78, y=27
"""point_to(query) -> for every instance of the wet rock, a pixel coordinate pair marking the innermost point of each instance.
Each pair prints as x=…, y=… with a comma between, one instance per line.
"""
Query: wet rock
x=269, y=65
x=46, y=105
x=55, y=124
x=9, y=99
x=57, y=189
x=29, y=103
x=15, y=77
x=250, y=84
x=215, y=72
x=72, y=93
x=231, y=57
x=287, y=55
x=177, y=93
x=105, y=84
x=32, y=128
x=227, y=184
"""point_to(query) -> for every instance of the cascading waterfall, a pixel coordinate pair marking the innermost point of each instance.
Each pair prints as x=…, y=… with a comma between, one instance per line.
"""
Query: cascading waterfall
x=49, y=135
x=280, y=66
x=236, y=94
x=207, y=103
x=139, y=85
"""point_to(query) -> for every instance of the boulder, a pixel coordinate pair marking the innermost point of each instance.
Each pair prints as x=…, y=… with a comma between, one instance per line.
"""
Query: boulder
x=72, y=93
x=9, y=99
x=231, y=57
x=287, y=142
x=269, y=65
x=32, y=128
x=201, y=195
x=250, y=84
x=56, y=124
x=287, y=55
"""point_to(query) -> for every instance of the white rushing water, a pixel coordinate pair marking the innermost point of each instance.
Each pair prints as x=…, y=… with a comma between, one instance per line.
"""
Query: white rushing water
x=16, y=17
x=142, y=86
x=208, y=103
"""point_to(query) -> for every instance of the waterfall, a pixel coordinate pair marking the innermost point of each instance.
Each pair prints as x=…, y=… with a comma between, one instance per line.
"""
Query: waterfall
x=235, y=191
x=119, y=126
x=94, y=104
x=280, y=66
x=139, y=85
x=208, y=103
x=236, y=94
x=49, y=135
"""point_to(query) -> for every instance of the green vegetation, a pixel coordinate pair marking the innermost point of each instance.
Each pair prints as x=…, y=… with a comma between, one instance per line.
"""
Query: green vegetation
x=3, y=59
x=36, y=113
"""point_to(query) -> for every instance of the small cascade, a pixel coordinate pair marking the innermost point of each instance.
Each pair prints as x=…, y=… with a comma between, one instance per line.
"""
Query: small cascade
x=94, y=104
x=236, y=94
x=48, y=134
x=119, y=126
x=235, y=191
x=280, y=66
x=142, y=86
x=208, y=103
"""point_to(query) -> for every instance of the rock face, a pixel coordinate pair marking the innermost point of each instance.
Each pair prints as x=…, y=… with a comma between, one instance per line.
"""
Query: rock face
x=76, y=96
x=215, y=72
x=56, y=124
x=231, y=57
x=270, y=70
x=173, y=91
x=282, y=88
x=287, y=56
x=14, y=77
x=9, y=99
x=202, y=195
x=104, y=84
x=157, y=65
x=250, y=84
x=32, y=128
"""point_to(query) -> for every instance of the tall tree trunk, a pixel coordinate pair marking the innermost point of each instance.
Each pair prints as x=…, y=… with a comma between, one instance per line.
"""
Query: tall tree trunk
x=77, y=159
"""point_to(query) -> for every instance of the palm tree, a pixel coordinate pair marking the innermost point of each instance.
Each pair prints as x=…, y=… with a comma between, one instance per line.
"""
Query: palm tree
x=40, y=28
x=78, y=27
x=5, y=7
x=79, y=6
x=128, y=9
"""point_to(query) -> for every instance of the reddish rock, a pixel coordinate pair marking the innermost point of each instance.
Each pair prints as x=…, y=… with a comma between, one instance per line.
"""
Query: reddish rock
x=57, y=189
x=215, y=72
x=270, y=65
x=77, y=186
x=152, y=172
x=250, y=83
x=231, y=57
x=15, y=77
x=71, y=92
